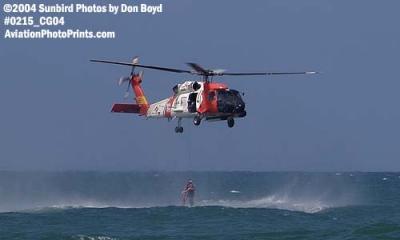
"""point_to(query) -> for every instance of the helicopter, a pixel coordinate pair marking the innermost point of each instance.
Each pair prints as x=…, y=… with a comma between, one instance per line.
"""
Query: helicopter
x=198, y=100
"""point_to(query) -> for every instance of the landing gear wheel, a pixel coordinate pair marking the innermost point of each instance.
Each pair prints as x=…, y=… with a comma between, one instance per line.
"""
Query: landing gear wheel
x=179, y=129
x=231, y=122
x=197, y=120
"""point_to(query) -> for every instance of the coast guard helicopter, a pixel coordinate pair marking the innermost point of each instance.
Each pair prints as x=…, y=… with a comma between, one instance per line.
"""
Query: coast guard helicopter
x=196, y=100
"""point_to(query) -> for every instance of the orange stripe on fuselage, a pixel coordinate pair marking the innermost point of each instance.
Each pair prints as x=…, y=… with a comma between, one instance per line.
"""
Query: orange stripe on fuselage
x=169, y=107
x=139, y=93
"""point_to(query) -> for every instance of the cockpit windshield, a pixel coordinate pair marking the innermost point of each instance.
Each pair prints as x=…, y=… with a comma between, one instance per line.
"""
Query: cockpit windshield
x=230, y=101
x=229, y=95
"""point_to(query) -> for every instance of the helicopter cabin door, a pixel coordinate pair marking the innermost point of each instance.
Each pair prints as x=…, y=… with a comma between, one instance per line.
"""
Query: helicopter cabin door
x=192, y=102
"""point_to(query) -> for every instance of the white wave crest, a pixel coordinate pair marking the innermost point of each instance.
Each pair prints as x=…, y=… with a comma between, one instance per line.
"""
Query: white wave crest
x=273, y=201
x=83, y=237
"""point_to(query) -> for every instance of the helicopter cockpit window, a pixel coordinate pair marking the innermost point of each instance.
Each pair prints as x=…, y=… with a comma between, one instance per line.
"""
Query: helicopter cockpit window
x=211, y=96
x=236, y=93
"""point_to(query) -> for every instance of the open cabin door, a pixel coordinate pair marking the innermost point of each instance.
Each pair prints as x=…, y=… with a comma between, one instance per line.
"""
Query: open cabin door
x=192, y=102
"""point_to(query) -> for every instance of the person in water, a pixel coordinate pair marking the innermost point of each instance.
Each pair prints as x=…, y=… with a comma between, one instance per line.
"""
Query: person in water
x=188, y=193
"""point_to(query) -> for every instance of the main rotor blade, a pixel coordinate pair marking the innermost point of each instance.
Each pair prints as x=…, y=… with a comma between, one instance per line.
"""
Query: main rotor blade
x=143, y=66
x=202, y=71
x=263, y=73
x=199, y=69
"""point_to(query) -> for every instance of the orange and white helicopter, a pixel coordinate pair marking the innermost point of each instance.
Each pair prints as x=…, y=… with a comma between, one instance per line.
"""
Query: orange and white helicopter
x=197, y=100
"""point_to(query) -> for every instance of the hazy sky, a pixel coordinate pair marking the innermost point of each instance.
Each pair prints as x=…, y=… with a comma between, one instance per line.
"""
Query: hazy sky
x=55, y=103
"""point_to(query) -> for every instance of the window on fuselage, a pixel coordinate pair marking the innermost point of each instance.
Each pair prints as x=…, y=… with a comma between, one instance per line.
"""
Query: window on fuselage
x=184, y=101
x=236, y=93
x=211, y=95
x=229, y=96
x=225, y=94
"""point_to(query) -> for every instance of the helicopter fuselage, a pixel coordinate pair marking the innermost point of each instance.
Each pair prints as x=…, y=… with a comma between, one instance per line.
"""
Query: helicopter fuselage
x=197, y=100
x=190, y=100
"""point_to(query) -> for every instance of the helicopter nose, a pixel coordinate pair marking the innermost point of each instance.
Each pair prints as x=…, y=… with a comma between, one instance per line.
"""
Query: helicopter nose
x=239, y=107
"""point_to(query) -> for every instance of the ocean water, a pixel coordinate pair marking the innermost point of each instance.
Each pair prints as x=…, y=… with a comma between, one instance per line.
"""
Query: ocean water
x=229, y=205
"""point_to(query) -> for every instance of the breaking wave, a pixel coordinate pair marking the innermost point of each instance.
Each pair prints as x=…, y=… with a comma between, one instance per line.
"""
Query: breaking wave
x=270, y=202
x=309, y=193
x=273, y=202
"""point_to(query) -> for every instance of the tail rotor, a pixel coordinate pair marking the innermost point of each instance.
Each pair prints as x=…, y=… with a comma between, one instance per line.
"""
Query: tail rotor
x=122, y=80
